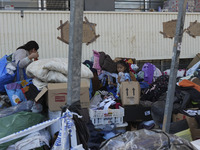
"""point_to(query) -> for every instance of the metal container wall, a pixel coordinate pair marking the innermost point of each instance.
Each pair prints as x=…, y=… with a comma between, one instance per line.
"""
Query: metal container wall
x=19, y=4
x=122, y=34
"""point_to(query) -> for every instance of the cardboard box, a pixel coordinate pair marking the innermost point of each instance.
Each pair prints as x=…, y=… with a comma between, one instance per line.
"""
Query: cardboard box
x=130, y=92
x=194, y=61
x=192, y=123
x=178, y=117
x=56, y=95
x=194, y=128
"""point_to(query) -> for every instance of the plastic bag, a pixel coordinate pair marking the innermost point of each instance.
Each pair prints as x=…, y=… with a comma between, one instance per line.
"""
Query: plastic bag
x=4, y=102
x=24, y=106
x=67, y=135
x=5, y=77
x=16, y=91
x=37, y=107
x=146, y=140
x=34, y=140
x=17, y=122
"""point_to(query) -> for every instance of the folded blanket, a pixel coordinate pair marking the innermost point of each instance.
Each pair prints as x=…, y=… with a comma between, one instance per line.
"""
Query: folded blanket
x=54, y=70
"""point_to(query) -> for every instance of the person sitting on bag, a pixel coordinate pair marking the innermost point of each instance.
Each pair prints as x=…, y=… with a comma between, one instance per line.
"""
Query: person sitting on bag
x=25, y=55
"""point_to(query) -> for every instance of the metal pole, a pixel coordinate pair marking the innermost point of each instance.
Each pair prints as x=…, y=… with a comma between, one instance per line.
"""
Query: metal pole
x=75, y=51
x=42, y=4
x=174, y=65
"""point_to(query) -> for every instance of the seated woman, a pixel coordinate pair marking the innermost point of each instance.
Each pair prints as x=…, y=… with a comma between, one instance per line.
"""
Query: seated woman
x=25, y=55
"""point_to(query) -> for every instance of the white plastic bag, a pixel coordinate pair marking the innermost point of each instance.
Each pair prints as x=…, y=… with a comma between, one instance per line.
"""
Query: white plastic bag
x=67, y=135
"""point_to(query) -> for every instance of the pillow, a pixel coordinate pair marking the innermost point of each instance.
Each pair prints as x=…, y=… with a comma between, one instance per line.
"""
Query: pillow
x=96, y=60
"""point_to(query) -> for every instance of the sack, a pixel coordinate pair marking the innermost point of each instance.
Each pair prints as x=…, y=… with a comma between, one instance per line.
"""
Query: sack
x=146, y=139
x=16, y=90
x=17, y=122
x=5, y=77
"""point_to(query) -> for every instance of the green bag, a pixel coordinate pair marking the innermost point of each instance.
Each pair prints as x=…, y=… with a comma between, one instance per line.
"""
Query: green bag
x=17, y=122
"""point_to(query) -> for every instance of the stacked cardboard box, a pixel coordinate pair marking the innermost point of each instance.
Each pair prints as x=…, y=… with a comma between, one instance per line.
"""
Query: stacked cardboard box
x=192, y=123
x=194, y=61
x=56, y=95
x=130, y=93
x=130, y=97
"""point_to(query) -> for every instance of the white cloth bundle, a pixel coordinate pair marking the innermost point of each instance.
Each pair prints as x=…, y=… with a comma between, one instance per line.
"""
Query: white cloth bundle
x=54, y=70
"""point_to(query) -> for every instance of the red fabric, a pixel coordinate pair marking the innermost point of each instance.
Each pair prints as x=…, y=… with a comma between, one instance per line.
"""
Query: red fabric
x=117, y=105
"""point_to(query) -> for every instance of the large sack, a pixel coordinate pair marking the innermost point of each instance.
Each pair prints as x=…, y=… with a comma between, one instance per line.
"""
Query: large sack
x=17, y=122
x=146, y=140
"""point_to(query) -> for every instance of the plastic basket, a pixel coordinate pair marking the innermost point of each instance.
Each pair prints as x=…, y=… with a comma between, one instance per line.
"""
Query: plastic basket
x=102, y=117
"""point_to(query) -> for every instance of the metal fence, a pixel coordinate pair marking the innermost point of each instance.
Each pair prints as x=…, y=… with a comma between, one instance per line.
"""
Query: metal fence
x=138, y=5
x=60, y=5
x=34, y=5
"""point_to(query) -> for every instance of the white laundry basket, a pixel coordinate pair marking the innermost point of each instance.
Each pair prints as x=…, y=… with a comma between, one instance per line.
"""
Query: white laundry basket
x=103, y=117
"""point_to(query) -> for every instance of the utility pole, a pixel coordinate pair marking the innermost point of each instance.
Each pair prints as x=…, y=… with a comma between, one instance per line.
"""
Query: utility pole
x=75, y=51
x=174, y=65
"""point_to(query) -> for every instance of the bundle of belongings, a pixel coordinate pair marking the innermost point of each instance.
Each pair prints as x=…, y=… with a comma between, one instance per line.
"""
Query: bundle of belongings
x=116, y=89
x=28, y=124
x=185, y=116
x=142, y=97
x=117, y=100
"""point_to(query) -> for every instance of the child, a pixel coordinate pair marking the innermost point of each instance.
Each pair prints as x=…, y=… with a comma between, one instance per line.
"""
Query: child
x=123, y=74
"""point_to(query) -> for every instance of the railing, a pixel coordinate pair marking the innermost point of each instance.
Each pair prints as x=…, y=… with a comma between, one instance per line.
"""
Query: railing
x=120, y=5
x=142, y=5
x=34, y=5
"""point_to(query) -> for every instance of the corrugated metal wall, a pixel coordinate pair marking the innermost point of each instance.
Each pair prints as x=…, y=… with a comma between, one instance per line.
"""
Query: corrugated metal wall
x=121, y=34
